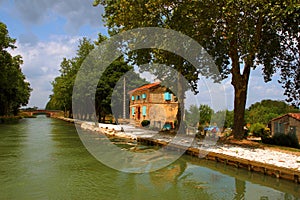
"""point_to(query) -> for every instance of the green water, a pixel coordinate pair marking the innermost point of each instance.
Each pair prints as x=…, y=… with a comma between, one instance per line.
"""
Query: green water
x=44, y=158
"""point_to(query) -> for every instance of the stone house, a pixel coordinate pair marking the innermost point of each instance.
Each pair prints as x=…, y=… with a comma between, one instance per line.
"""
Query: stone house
x=155, y=103
x=288, y=123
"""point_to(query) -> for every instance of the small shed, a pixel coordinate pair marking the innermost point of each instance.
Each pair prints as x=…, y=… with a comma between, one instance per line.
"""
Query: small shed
x=288, y=123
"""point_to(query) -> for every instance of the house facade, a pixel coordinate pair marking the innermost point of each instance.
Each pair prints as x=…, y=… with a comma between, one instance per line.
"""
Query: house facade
x=288, y=123
x=155, y=103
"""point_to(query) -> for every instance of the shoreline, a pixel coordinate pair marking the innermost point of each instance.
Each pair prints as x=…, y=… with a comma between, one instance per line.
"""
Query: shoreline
x=266, y=161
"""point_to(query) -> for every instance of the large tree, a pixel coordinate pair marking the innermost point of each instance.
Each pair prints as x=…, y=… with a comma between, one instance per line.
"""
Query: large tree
x=240, y=35
x=14, y=89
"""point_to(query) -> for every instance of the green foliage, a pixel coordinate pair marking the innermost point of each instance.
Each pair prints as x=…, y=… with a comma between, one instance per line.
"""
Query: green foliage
x=266, y=110
x=223, y=118
x=192, y=115
x=206, y=113
x=145, y=123
x=257, y=129
x=287, y=140
x=197, y=115
x=61, y=99
x=14, y=89
x=235, y=33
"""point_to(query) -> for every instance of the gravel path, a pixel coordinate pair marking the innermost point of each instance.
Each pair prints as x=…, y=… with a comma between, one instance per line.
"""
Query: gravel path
x=268, y=156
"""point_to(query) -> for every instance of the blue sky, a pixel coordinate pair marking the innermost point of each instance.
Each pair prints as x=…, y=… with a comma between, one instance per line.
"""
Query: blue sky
x=47, y=31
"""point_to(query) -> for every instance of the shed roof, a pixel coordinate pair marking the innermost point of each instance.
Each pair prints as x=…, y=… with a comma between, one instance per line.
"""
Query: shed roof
x=144, y=87
x=293, y=115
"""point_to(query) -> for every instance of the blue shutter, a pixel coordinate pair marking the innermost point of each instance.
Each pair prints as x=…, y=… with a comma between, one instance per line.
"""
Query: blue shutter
x=144, y=96
x=132, y=98
x=144, y=110
x=167, y=96
x=132, y=111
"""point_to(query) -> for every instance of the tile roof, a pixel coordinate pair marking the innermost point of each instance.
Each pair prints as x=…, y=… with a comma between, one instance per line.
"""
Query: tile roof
x=144, y=87
x=293, y=115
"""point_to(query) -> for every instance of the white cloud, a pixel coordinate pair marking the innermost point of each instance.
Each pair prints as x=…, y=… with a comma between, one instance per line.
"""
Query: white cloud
x=77, y=13
x=259, y=90
x=42, y=62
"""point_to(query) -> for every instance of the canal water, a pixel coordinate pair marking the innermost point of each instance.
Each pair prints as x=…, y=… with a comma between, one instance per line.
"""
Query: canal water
x=44, y=158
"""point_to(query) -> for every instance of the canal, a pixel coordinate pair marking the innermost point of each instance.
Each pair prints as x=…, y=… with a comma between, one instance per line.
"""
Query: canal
x=44, y=158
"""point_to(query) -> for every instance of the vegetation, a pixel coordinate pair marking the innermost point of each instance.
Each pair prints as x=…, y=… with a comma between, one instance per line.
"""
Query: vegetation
x=14, y=89
x=240, y=35
x=61, y=99
x=145, y=123
x=266, y=110
x=205, y=115
x=287, y=140
x=257, y=129
x=107, y=87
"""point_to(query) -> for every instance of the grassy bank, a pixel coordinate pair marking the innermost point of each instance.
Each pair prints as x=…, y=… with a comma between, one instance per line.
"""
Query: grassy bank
x=9, y=119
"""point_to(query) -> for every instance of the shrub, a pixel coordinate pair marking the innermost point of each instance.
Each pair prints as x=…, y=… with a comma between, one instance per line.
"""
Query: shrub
x=288, y=140
x=280, y=139
x=257, y=129
x=145, y=123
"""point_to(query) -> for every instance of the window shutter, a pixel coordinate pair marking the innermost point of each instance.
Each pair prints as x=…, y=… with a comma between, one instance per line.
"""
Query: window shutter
x=132, y=98
x=144, y=96
x=144, y=110
x=132, y=111
x=168, y=96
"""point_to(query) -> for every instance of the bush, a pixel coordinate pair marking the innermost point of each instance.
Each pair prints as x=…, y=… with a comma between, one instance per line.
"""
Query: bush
x=257, y=129
x=280, y=139
x=288, y=140
x=145, y=123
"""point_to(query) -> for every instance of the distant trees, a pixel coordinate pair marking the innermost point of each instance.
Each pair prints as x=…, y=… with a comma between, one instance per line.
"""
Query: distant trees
x=14, y=89
x=63, y=85
x=263, y=112
x=258, y=114
x=205, y=115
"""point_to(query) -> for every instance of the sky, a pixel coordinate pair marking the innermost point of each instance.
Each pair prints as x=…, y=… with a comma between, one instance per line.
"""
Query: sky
x=48, y=31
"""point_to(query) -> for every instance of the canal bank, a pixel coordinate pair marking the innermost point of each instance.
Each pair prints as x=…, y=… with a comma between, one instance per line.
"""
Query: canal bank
x=281, y=165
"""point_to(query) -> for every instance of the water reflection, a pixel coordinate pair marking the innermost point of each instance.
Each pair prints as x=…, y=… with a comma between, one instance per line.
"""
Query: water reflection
x=44, y=159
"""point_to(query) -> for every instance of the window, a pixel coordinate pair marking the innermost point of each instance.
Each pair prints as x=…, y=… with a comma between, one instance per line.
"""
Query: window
x=132, y=98
x=137, y=97
x=132, y=111
x=168, y=96
x=144, y=96
x=279, y=128
x=144, y=109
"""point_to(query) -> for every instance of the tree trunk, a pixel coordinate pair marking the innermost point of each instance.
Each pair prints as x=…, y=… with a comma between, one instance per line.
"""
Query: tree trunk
x=240, y=84
x=240, y=97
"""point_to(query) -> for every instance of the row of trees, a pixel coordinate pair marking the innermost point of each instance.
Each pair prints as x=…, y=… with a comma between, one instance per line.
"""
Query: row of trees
x=109, y=95
x=204, y=115
x=14, y=89
x=258, y=113
x=240, y=35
